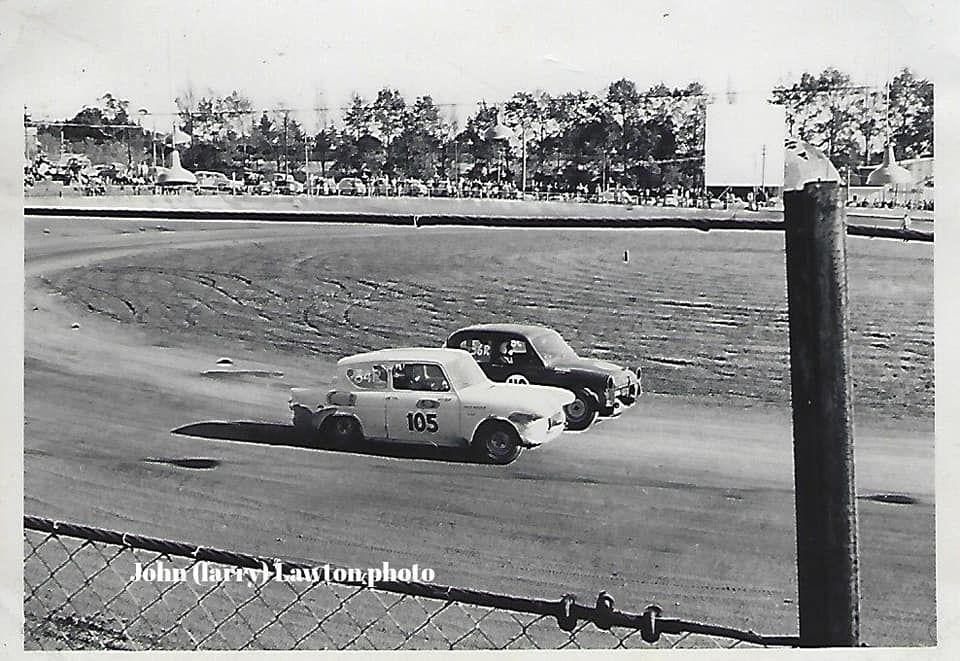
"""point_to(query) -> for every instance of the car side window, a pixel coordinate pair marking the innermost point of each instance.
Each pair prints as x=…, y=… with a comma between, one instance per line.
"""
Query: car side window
x=480, y=349
x=513, y=351
x=368, y=377
x=421, y=377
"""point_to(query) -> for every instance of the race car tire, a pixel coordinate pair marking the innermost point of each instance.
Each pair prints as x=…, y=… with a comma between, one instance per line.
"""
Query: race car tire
x=582, y=411
x=340, y=431
x=497, y=442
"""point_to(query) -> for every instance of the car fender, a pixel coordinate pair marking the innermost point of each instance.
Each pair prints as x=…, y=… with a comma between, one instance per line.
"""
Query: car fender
x=330, y=411
x=591, y=392
x=493, y=418
x=575, y=379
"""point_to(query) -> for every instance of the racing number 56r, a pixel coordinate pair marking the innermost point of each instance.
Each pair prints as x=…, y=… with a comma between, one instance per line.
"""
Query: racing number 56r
x=420, y=421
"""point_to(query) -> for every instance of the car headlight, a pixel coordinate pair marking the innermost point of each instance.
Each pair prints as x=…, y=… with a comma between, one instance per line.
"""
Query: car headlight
x=557, y=419
x=521, y=418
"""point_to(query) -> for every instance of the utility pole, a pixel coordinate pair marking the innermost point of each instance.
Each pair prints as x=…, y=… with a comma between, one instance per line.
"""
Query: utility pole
x=286, y=116
x=821, y=393
x=523, y=148
x=763, y=171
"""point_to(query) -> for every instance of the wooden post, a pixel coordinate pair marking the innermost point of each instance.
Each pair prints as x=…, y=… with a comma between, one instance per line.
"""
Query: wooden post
x=827, y=555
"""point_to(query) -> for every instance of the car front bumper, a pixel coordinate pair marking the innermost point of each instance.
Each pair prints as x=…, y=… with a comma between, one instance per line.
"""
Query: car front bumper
x=623, y=396
x=542, y=431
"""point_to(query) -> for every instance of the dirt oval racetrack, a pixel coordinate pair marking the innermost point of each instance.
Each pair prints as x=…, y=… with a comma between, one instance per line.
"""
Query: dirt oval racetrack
x=686, y=500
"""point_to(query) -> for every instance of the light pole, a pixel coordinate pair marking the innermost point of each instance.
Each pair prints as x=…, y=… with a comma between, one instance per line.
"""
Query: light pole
x=523, y=155
x=306, y=160
x=143, y=112
x=286, y=117
x=763, y=173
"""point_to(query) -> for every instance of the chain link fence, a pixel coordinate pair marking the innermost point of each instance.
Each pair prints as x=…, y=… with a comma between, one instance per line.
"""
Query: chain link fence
x=80, y=594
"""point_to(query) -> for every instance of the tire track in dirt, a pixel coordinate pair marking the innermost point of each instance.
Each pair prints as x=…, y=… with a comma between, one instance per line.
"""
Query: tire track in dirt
x=690, y=334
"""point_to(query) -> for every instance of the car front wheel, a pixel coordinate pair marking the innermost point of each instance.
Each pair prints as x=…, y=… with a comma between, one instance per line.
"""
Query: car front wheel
x=581, y=412
x=498, y=443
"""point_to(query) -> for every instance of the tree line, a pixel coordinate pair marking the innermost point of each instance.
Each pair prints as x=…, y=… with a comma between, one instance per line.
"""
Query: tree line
x=625, y=136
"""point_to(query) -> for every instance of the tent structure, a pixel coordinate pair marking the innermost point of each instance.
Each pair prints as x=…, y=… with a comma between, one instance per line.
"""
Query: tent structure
x=176, y=174
x=890, y=173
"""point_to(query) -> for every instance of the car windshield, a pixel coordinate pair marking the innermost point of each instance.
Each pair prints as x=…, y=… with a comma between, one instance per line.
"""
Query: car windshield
x=464, y=372
x=551, y=346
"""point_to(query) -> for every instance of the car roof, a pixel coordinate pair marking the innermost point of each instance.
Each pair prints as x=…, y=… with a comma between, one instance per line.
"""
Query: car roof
x=410, y=354
x=504, y=328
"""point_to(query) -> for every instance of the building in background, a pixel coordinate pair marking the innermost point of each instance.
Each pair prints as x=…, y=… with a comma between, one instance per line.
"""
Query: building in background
x=31, y=144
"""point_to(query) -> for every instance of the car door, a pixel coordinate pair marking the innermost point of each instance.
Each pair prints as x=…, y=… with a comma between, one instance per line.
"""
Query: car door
x=370, y=389
x=514, y=361
x=422, y=407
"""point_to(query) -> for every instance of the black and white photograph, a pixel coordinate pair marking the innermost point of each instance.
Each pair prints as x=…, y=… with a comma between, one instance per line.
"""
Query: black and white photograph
x=476, y=326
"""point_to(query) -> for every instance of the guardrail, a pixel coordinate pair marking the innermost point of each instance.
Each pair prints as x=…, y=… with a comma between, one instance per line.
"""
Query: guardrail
x=703, y=224
x=79, y=593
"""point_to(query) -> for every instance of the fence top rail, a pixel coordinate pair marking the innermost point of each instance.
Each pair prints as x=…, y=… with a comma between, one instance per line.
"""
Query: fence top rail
x=566, y=610
x=704, y=224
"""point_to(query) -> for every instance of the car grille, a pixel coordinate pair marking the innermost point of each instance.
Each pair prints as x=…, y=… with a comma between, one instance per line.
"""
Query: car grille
x=557, y=418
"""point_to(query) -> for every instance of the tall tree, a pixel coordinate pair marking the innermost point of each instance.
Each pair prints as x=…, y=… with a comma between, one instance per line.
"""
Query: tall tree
x=475, y=145
x=822, y=110
x=417, y=151
x=358, y=117
x=323, y=148
x=389, y=112
x=911, y=114
x=263, y=138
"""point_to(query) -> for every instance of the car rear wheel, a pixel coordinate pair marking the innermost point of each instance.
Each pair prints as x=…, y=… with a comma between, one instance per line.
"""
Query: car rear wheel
x=581, y=412
x=340, y=431
x=498, y=443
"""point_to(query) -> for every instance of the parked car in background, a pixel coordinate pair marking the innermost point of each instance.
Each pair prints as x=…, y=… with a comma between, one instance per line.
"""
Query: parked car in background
x=381, y=187
x=252, y=179
x=617, y=196
x=61, y=173
x=211, y=182
x=285, y=184
x=351, y=186
x=525, y=354
x=264, y=187
x=325, y=186
x=415, y=188
x=435, y=396
x=107, y=172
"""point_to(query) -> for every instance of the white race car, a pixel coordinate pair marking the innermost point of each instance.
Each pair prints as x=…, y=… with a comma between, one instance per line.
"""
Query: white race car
x=436, y=396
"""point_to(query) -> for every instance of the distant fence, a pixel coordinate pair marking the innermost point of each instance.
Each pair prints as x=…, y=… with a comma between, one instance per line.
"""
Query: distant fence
x=704, y=224
x=79, y=594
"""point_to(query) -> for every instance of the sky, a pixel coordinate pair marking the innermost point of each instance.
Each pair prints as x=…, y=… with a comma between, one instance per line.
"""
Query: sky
x=310, y=54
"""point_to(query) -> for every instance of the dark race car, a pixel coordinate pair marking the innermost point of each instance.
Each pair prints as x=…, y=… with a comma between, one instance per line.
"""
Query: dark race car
x=514, y=353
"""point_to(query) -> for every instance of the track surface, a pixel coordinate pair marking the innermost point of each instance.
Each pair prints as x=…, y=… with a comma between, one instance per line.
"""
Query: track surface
x=681, y=502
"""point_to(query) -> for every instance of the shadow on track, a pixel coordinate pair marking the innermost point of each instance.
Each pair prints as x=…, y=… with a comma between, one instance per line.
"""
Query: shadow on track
x=265, y=433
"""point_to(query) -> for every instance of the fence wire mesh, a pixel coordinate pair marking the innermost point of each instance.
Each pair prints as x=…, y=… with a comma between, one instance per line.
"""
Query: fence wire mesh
x=80, y=594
